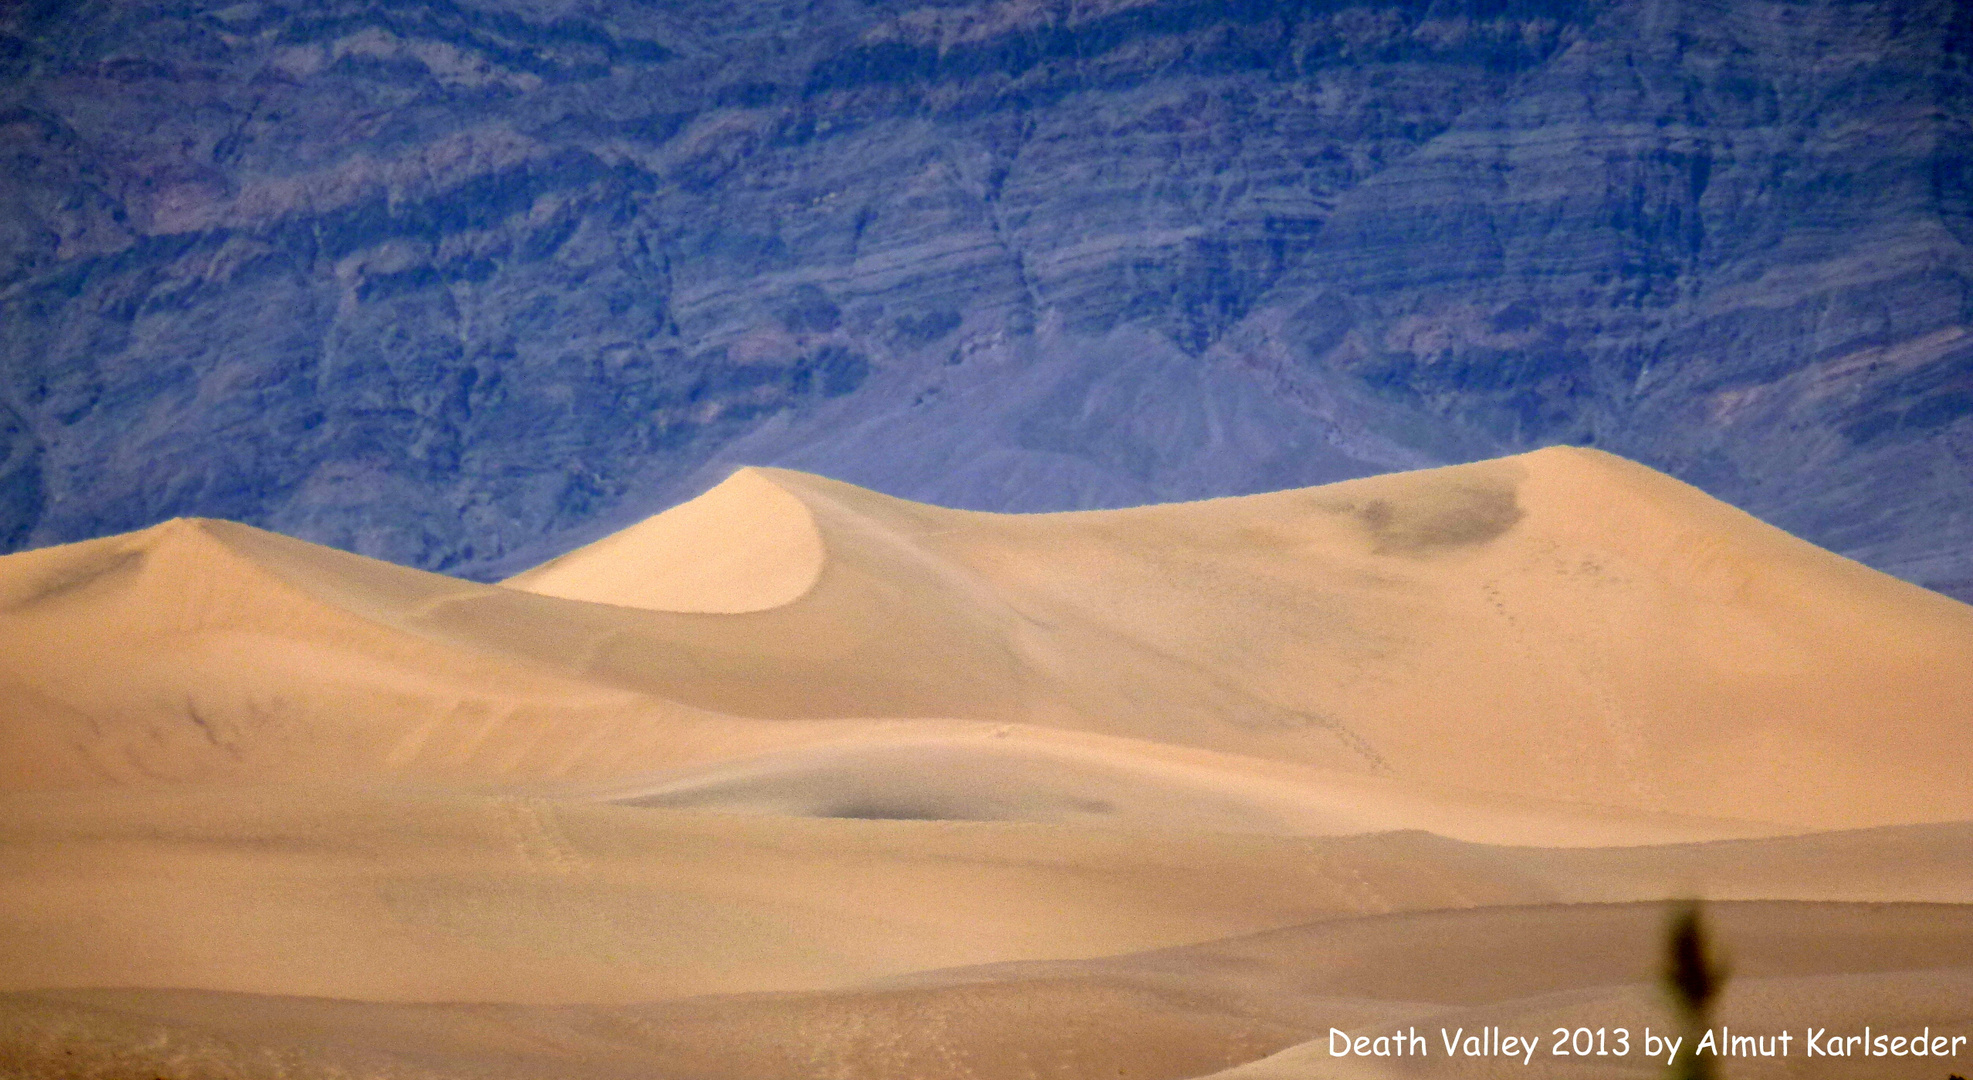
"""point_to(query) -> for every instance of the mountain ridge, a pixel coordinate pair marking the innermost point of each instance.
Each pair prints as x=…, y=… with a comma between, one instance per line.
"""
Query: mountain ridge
x=463, y=283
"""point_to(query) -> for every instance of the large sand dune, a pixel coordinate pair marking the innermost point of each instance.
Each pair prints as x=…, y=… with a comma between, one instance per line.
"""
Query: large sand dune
x=756, y=787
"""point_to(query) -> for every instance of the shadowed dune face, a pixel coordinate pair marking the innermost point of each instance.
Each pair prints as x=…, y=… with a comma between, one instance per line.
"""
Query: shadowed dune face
x=798, y=779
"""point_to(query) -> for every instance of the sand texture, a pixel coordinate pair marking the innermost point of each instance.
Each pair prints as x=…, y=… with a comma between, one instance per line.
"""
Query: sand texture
x=801, y=780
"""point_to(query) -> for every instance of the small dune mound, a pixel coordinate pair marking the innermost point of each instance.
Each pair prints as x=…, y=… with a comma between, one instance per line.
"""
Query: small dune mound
x=746, y=545
x=954, y=772
x=969, y=780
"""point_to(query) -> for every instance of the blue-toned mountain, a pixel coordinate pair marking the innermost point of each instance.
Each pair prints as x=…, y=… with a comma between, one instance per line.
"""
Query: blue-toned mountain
x=462, y=283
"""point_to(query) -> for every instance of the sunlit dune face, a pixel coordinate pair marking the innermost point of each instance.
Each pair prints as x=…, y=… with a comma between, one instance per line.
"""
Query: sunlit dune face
x=747, y=545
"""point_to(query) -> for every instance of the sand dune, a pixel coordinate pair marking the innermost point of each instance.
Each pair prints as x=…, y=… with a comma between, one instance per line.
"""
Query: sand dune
x=1564, y=626
x=798, y=779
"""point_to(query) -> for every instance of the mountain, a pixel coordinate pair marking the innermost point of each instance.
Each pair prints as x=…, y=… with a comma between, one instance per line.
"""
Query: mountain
x=798, y=778
x=465, y=283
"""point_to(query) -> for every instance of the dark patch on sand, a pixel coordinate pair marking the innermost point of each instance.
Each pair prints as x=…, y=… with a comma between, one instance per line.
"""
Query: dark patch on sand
x=899, y=810
x=1435, y=519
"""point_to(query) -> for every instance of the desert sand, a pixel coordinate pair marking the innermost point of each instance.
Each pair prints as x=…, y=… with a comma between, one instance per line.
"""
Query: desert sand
x=797, y=779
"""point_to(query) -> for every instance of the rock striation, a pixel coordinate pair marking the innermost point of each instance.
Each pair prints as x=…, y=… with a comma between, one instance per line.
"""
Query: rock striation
x=464, y=283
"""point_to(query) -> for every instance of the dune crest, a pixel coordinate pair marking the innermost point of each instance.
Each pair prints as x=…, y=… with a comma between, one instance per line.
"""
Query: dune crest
x=746, y=545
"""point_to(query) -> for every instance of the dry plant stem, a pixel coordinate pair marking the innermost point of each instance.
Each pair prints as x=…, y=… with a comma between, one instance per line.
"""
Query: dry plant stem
x=1694, y=978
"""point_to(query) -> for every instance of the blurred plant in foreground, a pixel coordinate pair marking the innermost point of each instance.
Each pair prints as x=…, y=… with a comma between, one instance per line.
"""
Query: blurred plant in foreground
x=1694, y=978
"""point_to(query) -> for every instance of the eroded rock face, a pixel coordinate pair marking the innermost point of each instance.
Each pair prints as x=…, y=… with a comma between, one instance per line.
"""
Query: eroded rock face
x=461, y=283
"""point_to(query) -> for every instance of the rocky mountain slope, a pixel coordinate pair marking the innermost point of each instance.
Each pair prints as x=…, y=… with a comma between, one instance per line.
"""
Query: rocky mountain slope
x=462, y=283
